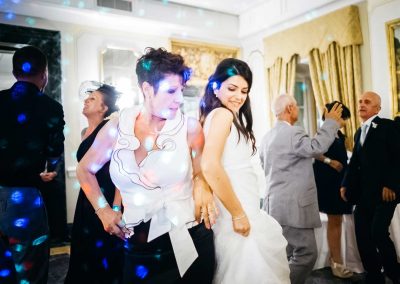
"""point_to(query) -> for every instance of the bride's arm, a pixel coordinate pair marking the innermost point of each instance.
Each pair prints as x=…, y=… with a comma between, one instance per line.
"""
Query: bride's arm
x=214, y=172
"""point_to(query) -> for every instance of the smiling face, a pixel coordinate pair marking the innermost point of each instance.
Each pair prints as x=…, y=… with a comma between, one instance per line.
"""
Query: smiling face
x=94, y=105
x=233, y=92
x=166, y=102
x=369, y=104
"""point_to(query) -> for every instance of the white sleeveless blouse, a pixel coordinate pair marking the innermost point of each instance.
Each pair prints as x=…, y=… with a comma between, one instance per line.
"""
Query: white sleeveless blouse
x=160, y=187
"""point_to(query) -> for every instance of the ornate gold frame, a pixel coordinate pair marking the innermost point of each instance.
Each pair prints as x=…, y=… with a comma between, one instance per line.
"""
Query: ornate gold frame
x=202, y=57
x=394, y=63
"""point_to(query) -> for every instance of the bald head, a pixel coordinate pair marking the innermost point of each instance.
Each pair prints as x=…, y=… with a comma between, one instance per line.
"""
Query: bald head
x=369, y=105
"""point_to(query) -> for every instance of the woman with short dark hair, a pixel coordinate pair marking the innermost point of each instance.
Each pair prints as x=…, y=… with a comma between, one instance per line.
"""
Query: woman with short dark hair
x=155, y=154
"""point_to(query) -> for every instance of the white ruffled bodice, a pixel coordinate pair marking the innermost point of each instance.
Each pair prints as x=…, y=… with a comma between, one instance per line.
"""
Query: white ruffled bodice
x=160, y=187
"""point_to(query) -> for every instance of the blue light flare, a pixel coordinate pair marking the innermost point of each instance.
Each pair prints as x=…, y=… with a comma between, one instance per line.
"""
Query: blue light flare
x=38, y=202
x=141, y=271
x=18, y=248
x=26, y=67
x=146, y=64
x=30, y=21
x=17, y=197
x=21, y=118
x=21, y=222
x=39, y=240
x=5, y=273
x=9, y=16
x=7, y=254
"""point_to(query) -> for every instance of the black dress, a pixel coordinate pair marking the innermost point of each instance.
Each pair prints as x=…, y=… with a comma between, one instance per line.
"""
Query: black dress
x=96, y=256
x=329, y=181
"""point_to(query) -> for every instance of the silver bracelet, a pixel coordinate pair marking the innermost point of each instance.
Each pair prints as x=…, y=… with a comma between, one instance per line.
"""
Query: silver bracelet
x=239, y=217
x=96, y=211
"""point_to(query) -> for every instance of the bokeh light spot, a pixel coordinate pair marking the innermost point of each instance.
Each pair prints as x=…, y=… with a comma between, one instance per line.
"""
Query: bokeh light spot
x=30, y=21
x=26, y=67
x=105, y=263
x=141, y=271
x=38, y=202
x=21, y=118
x=21, y=222
x=7, y=254
x=9, y=16
x=17, y=197
x=39, y=240
x=146, y=64
x=18, y=248
x=5, y=273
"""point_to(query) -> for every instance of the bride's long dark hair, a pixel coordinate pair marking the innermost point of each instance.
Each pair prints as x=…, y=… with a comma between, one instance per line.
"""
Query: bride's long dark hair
x=243, y=120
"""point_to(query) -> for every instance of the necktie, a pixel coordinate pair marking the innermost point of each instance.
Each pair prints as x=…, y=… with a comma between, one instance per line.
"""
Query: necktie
x=363, y=133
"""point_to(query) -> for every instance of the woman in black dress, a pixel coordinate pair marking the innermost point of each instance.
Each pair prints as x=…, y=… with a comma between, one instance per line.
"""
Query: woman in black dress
x=329, y=170
x=96, y=256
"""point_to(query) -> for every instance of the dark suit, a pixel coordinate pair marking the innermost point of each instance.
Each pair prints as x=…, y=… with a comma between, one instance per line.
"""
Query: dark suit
x=373, y=166
x=31, y=132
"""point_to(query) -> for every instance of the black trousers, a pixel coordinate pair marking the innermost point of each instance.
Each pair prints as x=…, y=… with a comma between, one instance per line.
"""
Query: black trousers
x=23, y=225
x=374, y=243
x=154, y=262
x=8, y=274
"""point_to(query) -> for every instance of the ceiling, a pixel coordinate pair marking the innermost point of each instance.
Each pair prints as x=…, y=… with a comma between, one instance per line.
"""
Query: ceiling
x=234, y=7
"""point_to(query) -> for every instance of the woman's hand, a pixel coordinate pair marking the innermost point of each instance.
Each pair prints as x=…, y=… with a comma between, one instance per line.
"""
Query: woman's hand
x=241, y=225
x=112, y=222
x=47, y=176
x=336, y=165
x=205, y=208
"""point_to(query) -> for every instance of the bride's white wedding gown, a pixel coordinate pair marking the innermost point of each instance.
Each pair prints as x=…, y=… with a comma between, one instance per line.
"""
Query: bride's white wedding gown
x=260, y=257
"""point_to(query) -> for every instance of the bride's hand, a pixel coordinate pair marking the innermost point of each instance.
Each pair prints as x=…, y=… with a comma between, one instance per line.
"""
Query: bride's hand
x=241, y=225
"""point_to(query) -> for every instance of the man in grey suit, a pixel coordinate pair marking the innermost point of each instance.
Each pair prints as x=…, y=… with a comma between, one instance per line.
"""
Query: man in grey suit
x=286, y=155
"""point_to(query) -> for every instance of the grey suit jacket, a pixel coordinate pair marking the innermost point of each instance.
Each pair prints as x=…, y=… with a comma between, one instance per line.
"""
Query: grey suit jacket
x=286, y=155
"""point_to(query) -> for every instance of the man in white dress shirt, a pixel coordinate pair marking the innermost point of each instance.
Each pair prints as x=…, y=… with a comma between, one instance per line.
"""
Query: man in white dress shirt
x=372, y=183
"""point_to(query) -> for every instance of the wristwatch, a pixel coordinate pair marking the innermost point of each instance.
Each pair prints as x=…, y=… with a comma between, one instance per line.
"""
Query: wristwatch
x=327, y=161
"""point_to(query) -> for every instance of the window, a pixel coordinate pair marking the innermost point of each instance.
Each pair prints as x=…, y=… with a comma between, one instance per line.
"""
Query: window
x=304, y=96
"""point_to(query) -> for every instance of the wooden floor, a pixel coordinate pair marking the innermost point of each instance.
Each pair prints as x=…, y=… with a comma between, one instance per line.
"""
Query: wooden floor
x=60, y=257
x=60, y=250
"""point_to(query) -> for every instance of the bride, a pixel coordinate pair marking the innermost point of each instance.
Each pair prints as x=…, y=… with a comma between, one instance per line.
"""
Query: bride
x=250, y=247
